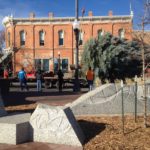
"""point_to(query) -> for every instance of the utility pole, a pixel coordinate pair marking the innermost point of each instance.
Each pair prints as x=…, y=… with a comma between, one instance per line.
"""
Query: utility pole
x=59, y=63
x=76, y=28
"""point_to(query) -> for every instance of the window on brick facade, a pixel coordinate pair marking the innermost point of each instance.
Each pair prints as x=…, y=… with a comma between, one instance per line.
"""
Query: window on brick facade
x=22, y=38
x=42, y=64
x=100, y=33
x=61, y=37
x=65, y=65
x=45, y=64
x=81, y=34
x=8, y=39
x=38, y=64
x=55, y=65
x=41, y=38
x=121, y=33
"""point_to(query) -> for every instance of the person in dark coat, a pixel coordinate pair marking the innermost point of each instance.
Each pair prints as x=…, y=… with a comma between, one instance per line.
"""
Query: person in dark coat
x=60, y=79
x=39, y=77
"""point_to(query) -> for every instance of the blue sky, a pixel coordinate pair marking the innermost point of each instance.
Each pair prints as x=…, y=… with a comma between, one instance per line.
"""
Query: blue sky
x=64, y=8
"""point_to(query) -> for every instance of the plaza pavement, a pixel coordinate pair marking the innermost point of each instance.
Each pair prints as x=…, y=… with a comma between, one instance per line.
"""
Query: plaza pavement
x=49, y=96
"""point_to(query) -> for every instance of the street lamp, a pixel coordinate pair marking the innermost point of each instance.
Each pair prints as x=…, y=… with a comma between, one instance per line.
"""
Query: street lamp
x=76, y=26
x=59, y=60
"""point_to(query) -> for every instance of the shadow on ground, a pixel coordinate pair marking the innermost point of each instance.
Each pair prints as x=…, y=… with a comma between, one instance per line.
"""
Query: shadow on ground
x=22, y=98
x=91, y=129
x=20, y=111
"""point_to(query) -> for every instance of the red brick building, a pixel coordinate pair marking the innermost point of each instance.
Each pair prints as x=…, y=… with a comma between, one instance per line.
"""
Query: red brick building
x=39, y=41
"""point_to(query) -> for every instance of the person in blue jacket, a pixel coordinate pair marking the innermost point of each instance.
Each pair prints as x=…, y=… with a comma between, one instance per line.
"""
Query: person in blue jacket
x=23, y=79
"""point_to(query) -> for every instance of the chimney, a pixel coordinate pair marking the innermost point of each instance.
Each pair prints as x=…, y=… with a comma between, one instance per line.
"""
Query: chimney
x=110, y=13
x=50, y=14
x=90, y=14
x=32, y=15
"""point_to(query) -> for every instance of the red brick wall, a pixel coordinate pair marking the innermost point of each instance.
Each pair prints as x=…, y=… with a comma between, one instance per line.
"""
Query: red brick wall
x=51, y=47
x=126, y=26
x=9, y=30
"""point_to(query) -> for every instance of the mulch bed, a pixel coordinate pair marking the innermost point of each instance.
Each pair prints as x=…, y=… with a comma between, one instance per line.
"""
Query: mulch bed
x=105, y=133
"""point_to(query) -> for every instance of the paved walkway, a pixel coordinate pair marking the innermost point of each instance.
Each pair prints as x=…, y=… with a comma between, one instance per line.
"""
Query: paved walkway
x=48, y=96
x=38, y=146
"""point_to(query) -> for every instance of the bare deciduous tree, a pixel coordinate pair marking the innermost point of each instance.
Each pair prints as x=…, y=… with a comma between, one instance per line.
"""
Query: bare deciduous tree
x=143, y=37
x=2, y=38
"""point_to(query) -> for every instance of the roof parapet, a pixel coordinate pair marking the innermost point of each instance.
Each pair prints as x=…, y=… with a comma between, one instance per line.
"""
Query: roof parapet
x=110, y=13
x=51, y=15
x=32, y=15
x=90, y=14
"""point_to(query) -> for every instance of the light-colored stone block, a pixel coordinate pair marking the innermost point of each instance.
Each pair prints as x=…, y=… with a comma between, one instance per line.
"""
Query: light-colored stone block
x=107, y=100
x=56, y=125
x=15, y=129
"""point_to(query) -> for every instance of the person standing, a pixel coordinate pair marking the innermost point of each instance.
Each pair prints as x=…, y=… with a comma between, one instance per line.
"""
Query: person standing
x=90, y=78
x=60, y=79
x=6, y=74
x=39, y=77
x=23, y=79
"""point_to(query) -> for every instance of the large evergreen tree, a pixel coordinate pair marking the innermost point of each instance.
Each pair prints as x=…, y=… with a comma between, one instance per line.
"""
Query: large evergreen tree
x=112, y=57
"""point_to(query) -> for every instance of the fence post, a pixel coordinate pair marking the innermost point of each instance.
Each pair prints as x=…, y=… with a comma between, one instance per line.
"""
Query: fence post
x=122, y=106
x=135, y=79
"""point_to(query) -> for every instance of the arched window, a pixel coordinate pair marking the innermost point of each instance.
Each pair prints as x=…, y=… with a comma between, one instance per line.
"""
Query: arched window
x=61, y=37
x=100, y=32
x=41, y=38
x=121, y=33
x=8, y=39
x=81, y=35
x=22, y=38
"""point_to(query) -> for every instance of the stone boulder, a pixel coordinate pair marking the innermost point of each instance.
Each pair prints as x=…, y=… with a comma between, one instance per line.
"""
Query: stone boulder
x=56, y=125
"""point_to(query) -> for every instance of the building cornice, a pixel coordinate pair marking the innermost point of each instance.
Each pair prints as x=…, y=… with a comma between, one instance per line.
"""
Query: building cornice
x=69, y=20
